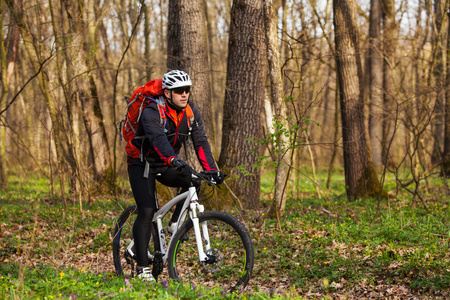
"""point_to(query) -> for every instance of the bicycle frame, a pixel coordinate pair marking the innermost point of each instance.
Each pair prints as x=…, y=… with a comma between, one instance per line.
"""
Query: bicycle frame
x=190, y=205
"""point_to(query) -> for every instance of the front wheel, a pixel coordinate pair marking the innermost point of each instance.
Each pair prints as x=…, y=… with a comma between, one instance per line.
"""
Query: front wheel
x=230, y=255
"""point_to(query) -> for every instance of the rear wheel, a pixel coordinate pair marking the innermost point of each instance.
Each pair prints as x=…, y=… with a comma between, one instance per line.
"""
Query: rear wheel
x=124, y=261
x=230, y=258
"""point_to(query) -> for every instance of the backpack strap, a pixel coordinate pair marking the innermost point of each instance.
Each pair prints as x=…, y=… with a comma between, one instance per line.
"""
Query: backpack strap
x=120, y=126
x=161, y=104
x=140, y=112
x=162, y=115
x=190, y=117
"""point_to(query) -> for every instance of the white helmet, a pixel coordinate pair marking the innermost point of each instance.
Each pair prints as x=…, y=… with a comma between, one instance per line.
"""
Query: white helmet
x=176, y=78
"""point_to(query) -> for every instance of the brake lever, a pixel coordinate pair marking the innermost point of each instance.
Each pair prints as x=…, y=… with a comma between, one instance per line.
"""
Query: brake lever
x=208, y=178
x=179, y=167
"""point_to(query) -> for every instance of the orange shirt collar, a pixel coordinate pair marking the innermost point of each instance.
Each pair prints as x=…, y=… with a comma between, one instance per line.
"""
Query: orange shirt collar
x=174, y=116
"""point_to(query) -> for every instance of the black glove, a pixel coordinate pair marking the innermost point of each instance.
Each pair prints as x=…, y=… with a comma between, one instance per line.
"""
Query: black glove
x=218, y=176
x=177, y=163
x=182, y=168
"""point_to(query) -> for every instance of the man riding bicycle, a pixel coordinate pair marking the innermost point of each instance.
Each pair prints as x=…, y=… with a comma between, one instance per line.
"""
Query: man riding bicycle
x=160, y=147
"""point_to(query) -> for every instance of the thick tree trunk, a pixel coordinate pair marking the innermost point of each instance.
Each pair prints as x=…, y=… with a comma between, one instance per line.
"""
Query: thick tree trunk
x=187, y=49
x=244, y=96
x=360, y=176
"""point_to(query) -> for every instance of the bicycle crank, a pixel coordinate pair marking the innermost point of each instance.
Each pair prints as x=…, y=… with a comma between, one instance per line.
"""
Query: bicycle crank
x=214, y=260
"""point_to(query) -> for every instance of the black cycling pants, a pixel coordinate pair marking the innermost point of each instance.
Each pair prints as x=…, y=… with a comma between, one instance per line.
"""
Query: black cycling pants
x=144, y=192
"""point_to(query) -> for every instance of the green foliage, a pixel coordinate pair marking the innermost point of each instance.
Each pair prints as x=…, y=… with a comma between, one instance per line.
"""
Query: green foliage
x=351, y=244
x=282, y=136
x=44, y=282
x=327, y=247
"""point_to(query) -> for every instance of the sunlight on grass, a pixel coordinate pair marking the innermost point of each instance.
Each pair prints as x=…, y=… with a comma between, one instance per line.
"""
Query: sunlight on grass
x=328, y=247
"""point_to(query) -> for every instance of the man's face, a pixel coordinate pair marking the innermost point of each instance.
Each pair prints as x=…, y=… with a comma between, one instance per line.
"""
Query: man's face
x=180, y=96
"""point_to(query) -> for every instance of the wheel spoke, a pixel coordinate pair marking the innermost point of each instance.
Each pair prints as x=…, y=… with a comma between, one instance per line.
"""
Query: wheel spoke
x=230, y=258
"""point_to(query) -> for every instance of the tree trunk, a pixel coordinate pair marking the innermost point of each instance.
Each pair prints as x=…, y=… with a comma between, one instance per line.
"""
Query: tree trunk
x=62, y=42
x=412, y=111
x=187, y=49
x=82, y=58
x=439, y=73
x=215, y=105
x=375, y=83
x=3, y=100
x=283, y=149
x=244, y=95
x=8, y=63
x=389, y=28
x=148, y=68
x=360, y=177
x=446, y=155
x=61, y=141
x=336, y=133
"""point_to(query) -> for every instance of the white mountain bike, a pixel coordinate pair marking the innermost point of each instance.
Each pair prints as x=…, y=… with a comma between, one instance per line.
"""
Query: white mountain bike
x=208, y=247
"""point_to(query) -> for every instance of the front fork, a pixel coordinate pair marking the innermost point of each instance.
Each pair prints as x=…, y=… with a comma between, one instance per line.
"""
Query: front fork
x=194, y=206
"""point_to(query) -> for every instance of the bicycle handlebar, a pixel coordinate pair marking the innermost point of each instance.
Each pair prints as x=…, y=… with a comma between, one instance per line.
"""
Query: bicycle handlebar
x=205, y=177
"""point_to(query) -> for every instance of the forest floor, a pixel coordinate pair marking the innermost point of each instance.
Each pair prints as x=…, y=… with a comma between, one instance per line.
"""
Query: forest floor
x=322, y=248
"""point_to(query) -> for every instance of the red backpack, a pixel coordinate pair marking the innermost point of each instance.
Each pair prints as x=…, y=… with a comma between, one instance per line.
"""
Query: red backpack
x=138, y=101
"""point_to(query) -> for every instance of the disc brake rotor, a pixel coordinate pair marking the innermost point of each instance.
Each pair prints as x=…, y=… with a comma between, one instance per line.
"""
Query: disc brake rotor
x=214, y=261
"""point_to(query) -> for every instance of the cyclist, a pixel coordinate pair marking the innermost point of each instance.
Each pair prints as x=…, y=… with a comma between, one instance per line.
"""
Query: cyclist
x=160, y=148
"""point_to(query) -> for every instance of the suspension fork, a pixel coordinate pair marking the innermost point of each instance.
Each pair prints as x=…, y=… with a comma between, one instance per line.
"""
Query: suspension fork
x=200, y=229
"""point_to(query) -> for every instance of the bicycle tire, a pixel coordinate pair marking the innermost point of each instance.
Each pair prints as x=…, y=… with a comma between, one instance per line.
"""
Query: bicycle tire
x=229, y=238
x=123, y=234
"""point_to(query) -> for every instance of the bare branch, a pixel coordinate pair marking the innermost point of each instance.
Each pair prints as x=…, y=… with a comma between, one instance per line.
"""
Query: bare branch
x=41, y=66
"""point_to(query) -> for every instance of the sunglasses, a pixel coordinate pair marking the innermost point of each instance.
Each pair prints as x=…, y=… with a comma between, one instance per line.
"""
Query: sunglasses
x=181, y=90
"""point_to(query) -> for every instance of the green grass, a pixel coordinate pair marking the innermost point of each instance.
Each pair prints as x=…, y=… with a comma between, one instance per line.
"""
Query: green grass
x=44, y=282
x=326, y=247
x=352, y=243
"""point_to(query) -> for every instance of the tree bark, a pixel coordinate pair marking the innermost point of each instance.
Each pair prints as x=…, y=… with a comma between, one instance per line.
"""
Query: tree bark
x=187, y=49
x=439, y=73
x=62, y=41
x=389, y=28
x=360, y=177
x=446, y=155
x=148, y=68
x=375, y=83
x=83, y=58
x=215, y=105
x=61, y=141
x=244, y=100
x=8, y=63
x=283, y=149
x=3, y=100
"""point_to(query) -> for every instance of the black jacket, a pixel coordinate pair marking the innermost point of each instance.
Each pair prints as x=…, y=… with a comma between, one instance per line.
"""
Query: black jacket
x=160, y=144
